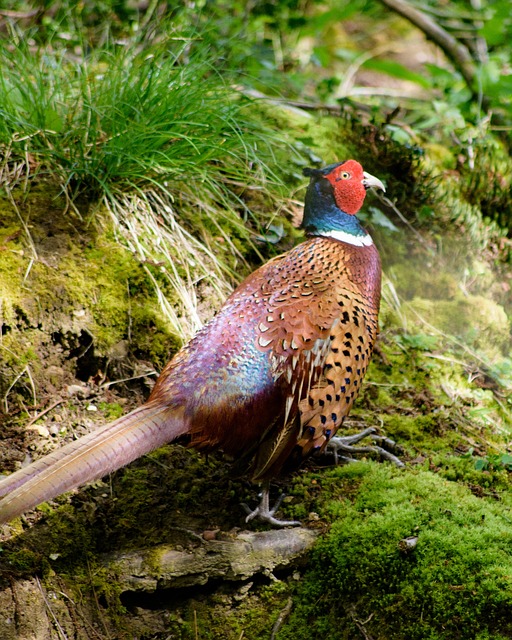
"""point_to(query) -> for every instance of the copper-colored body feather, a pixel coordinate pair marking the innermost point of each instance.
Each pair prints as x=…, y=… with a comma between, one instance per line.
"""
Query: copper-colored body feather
x=273, y=375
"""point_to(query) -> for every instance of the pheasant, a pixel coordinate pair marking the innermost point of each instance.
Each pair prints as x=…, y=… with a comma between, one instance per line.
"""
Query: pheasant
x=270, y=379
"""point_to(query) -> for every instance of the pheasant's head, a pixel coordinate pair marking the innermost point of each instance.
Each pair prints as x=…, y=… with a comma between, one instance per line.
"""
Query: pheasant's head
x=334, y=195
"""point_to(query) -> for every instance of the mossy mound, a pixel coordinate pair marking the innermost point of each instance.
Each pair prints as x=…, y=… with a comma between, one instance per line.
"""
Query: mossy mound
x=409, y=556
x=477, y=320
x=75, y=299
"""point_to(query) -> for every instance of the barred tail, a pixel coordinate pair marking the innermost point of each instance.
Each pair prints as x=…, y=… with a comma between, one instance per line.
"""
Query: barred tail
x=108, y=448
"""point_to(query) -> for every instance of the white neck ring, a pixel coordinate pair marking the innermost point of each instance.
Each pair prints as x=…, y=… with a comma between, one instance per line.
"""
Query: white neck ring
x=343, y=236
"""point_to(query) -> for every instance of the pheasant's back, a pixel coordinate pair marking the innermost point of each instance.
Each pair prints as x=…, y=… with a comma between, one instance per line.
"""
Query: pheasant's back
x=279, y=367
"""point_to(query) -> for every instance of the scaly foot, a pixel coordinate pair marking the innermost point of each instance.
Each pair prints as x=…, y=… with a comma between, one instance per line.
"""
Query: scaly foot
x=265, y=513
x=344, y=444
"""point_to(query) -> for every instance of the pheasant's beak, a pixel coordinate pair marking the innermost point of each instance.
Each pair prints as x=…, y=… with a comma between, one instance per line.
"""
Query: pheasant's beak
x=372, y=181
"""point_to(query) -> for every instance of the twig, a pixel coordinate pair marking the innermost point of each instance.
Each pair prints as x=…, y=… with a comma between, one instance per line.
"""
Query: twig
x=361, y=625
x=345, y=88
x=97, y=602
x=43, y=413
x=60, y=630
x=25, y=370
x=23, y=224
x=392, y=205
x=281, y=618
x=21, y=15
x=451, y=339
x=106, y=385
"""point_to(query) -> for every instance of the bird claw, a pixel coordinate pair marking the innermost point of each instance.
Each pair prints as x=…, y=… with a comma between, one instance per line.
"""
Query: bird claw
x=265, y=513
x=345, y=444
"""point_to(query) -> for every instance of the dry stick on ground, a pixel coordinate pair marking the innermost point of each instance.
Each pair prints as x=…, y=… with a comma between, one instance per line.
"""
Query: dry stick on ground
x=281, y=618
x=43, y=413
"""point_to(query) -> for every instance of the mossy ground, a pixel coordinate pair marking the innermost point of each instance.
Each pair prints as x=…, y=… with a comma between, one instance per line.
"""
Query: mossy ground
x=86, y=311
x=454, y=583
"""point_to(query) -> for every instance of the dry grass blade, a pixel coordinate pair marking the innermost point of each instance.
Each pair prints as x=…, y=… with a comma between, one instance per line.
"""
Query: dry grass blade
x=174, y=260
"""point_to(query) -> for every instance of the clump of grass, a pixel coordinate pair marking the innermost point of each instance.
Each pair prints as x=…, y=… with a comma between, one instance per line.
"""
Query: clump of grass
x=124, y=114
x=409, y=556
x=173, y=258
x=149, y=131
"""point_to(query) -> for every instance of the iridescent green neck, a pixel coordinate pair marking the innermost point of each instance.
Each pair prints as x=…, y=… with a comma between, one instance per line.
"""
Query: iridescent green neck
x=323, y=217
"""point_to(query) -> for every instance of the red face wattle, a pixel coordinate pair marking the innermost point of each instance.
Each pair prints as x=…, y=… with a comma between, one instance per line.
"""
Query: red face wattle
x=349, y=189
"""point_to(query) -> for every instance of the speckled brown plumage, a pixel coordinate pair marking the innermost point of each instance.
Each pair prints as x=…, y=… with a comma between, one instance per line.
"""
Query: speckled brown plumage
x=271, y=377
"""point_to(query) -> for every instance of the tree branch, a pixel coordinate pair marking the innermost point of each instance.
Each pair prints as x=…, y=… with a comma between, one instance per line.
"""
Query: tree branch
x=454, y=50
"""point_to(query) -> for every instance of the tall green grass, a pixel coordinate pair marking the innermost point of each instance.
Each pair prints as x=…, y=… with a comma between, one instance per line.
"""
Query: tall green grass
x=124, y=114
x=153, y=134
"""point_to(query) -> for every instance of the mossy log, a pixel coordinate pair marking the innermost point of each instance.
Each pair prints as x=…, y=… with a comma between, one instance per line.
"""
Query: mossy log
x=31, y=610
x=232, y=558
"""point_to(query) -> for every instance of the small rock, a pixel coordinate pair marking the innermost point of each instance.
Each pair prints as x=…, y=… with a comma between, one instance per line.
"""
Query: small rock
x=210, y=535
x=26, y=461
x=41, y=430
x=406, y=545
x=120, y=350
x=92, y=407
x=77, y=390
x=243, y=591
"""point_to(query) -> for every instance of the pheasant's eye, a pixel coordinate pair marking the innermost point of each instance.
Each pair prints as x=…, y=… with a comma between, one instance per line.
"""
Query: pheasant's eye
x=344, y=175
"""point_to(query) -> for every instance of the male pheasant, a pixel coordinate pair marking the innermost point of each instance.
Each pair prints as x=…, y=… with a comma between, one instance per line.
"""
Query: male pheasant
x=271, y=377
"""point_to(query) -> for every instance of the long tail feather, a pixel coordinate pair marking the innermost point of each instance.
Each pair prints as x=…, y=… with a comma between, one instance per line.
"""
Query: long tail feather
x=91, y=457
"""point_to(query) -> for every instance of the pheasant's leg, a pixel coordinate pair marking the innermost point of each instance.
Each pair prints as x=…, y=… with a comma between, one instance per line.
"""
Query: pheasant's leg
x=265, y=513
x=344, y=444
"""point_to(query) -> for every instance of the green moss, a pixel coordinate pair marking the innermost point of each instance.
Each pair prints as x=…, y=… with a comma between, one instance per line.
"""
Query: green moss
x=21, y=561
x=412, y=282
x=441, y=155
x=83, y=293
x=493, y=481
x=420, y=431
x=478, y=320
x=111, y=410
x=456, y=583
x=488, y=182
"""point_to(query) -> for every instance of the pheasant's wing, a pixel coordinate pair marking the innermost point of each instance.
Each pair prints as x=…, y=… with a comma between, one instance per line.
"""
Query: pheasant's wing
x=319, y=327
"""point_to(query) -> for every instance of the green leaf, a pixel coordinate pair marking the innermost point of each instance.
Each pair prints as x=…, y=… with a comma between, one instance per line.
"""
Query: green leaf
x=420, y=341
x=398, y=134
x=439, y=73
x=323, y=55
x=506, y=461
x=53, y=120
x=496, y=30
x=481, y=464
x=338, y=14
x=379, y=219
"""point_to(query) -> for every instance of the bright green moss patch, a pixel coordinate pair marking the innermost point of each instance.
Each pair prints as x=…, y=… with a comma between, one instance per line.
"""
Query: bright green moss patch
x=485, y=476
x=455, y=583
